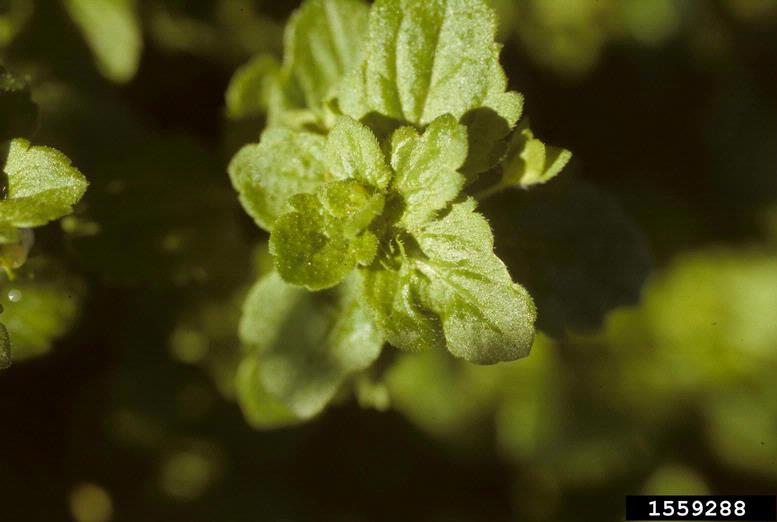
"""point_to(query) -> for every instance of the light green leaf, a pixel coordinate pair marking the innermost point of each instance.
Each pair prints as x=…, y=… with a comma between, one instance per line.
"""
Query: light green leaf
x=282, y=164
x=392, y=295
x=531, y=162
x=302, y=368
x=353, y=152
x=426, y=167
x=39, y=306
x=112, y=30
x=451, y=290
x=322, y=238
x=323, y=41
x=42, y=185
x=250, y=88
x=261, y=410
x=485, y=316
x=487, y=127
x=425, y=58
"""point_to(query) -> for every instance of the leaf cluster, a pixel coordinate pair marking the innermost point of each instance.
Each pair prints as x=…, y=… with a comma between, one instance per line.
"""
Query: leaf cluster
x=383, y=125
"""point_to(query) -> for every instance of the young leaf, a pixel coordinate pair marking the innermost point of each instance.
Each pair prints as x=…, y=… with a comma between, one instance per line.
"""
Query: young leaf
x=112, y=30
x=323, y=41
x=485, y=316
x=392, y=294
x=425, y=58
x=353, y=152
x=426, y=167
x=453, y=292
x=282, y=164
x=250, y=88
x=530, y=162
x=42, y=185
x=302, y=368
x=322, y=239
x=488, y=125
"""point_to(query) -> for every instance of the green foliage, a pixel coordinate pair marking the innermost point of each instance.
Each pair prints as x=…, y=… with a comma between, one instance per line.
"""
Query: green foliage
x=300, y=368
x=379, y=120
x=529, y=161
x=42, y=185
x=112, y=30
x=251, y=86
x=37, y=185
x=39, y=306
x=284, y=163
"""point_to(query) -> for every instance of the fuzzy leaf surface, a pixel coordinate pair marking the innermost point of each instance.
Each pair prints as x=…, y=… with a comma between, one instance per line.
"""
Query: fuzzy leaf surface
x=42, y=185
x=426, y=167
x=322, y=238
x=454, y=292
x=424, y=59
x=282, y=164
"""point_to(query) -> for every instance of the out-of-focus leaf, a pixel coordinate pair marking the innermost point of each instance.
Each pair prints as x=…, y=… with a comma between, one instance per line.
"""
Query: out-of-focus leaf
x=302, y=368
x=574, y=249
x=249, y=91
x=42, y=185
x=740, y=427
x=323, y=41
x=443, y=396
x=112, y=30
x=260, y=408
x=13, y=17
x=40, y=305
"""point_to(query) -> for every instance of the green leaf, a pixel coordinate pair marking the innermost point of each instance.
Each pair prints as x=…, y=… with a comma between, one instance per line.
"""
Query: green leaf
x=282, y=164
x=393, y=297
x=42, y=185
x=426, y=168
x=323, y=41
x=261, y=409
x=321, y=240
x=302, y=368
x=250, y=88
x=425, y=58
x=452, y=291
x=488, y=126
x=112, y=30
x=18, y=113
x=5, y=348
x=353, y=152
x=578, y=253
x=531, y=162
x=485, y=316
x=40, y=305
x=13, y=17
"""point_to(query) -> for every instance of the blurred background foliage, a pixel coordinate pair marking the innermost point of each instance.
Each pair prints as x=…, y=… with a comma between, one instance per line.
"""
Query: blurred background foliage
x=653, y=261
